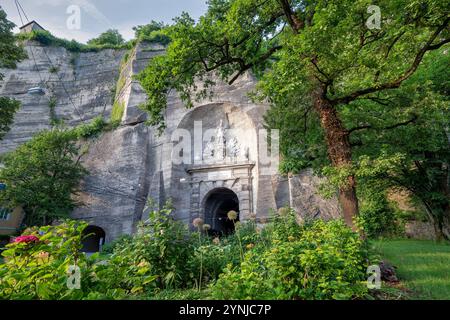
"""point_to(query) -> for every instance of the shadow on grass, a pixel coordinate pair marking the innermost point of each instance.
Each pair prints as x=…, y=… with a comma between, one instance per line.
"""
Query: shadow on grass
x=423, y=266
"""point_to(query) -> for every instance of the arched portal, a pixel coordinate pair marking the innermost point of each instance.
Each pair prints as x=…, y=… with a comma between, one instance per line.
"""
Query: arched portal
x=93, y=239
x=217, y=205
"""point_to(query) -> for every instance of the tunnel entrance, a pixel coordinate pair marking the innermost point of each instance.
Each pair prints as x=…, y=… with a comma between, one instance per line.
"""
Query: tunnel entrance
x=217, y=205
x=93, y=239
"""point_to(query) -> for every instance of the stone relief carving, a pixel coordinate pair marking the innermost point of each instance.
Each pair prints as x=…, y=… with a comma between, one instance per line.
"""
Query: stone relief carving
x=224, y=146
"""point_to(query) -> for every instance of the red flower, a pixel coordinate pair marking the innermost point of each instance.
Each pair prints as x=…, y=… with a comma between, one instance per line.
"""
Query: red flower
x=26, y=239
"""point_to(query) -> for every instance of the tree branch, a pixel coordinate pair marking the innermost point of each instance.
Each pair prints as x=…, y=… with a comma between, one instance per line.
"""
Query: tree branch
x=394, y=126
x=258, y=31
x=291, y=18
x=396, y=39
x=261, y=59
x=396, y=83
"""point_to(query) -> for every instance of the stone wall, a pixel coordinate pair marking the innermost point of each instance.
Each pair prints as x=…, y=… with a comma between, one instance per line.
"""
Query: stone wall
x=133, y=163
x=80, y=83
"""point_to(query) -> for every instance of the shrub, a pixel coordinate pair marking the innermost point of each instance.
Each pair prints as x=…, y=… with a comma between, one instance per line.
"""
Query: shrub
x=52, y=103
x=36, y=267
x=110, y=247
x=284, y=225
x=212, y=259
x=47, y=39
x=377, y=216
x=91, y=129
x=110, y=37
x=36, y=264
x=53, y=69
x=323, y=260
x=160, y=250
x=319, y=260
x=246, y=282
x=152, y=32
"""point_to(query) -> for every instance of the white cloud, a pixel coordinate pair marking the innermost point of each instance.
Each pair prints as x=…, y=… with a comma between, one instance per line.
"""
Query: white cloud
x=86, y=5
x=92, y=10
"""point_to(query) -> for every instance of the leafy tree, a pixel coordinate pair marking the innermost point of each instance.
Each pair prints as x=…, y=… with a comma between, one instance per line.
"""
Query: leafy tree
x=8, y=108
x=407, y=145
x=42, y=175
x=143, y=30
x=302, y=142
x=152, y=32
x=320, y=49
x=399, y=141
x=109, y=37
x=10, y=53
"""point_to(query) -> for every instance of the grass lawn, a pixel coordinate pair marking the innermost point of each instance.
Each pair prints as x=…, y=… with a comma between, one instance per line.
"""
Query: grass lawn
x=422, y=266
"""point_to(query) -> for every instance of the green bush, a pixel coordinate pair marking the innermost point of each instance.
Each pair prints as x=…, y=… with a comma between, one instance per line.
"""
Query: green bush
x=284, y=225
x=164, y=260
x=377, y=216
x=38, y=269
x=162, y=248
x=111, y=37
x=47, y=39
x=53, y=69
x=110, y=247
x=323, y=260
x=91, y=129
x=212, y=259
x=153, y=32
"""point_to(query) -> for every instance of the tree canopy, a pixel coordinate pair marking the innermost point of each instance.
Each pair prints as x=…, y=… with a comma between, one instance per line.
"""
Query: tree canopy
x=42, y=175
x=10, y=53
x=152, y=32
x=109, y=37
x=8, y=108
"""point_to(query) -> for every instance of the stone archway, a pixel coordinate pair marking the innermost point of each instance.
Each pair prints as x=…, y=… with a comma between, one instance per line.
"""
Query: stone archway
x=223, y=153
x=93, y=239
x=216, y=206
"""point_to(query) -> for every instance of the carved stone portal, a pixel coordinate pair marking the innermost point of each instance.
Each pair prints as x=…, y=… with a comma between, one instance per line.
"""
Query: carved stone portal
x=222, y=182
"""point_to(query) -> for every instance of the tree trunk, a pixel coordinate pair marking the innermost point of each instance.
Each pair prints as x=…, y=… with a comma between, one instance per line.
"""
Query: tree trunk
x=440, y=229
x=445, y=187
x=439, y=211
x=446, y=223
x=340, y=154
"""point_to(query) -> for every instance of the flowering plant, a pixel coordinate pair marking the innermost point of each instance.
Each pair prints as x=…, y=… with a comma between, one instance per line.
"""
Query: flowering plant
x=26, y=239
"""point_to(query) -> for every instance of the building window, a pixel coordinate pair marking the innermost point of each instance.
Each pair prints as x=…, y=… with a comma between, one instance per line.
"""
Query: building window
x=5, y=214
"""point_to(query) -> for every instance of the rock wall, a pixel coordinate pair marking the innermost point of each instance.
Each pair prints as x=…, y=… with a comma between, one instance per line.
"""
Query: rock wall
x=80, y=84
x=134, y=163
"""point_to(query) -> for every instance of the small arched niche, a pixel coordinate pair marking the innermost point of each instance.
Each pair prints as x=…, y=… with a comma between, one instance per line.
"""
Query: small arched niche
x=93, y=239
x=217, y=204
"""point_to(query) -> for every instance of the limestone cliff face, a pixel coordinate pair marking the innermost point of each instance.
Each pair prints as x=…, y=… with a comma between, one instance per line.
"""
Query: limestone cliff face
x=79, y=84
x=134, y=163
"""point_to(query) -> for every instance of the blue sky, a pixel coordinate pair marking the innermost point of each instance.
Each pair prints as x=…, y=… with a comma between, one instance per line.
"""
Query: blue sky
x=100, y=15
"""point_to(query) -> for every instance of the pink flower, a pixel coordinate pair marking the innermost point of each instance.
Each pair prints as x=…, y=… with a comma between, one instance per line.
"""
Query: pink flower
x=26, y=239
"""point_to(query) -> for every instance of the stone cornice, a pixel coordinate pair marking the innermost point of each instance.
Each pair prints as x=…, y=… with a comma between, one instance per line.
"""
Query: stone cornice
x=215, y=167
